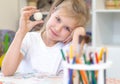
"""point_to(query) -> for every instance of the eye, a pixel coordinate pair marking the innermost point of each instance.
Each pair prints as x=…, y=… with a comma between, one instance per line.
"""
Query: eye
x=58, y=19
x=67, y=28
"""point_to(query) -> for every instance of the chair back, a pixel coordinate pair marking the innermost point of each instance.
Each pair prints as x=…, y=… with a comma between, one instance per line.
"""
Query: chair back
x=10, y=35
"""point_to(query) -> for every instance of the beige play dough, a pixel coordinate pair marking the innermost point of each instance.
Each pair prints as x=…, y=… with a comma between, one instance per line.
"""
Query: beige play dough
x=38, y=16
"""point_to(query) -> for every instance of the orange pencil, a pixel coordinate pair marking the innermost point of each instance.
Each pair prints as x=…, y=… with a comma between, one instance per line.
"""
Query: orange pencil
x=96, y=57
x=97, y=61
x=82, y=72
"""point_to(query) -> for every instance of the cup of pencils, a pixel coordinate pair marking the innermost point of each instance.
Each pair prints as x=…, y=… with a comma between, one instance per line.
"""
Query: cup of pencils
x=90, y=68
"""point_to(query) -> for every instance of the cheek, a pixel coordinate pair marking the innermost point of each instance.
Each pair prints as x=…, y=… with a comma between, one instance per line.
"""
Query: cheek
x=51, y=22
x=48, y=24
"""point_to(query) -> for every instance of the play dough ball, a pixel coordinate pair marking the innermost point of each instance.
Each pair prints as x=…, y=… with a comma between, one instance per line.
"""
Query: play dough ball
x=38, y=16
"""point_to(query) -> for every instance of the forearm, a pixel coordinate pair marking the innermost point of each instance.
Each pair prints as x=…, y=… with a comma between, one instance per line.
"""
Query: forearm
x=75, y=42
x=13, y=57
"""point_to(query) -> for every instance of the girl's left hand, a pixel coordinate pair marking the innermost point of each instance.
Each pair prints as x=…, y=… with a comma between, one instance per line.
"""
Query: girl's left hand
x=75, y=34
x=79, y=31
x=69, y=39
x=75, y=40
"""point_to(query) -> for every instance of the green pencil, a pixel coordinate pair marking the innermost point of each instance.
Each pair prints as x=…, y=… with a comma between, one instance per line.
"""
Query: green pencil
x=63, y=56
x=86, y=62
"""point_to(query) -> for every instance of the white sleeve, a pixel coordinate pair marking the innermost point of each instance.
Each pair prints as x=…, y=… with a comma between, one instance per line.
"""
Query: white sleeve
x=25, y=44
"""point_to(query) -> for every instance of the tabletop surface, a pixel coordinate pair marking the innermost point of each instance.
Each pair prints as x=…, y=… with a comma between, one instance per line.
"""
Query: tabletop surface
x=31, y=78
x=40, y=78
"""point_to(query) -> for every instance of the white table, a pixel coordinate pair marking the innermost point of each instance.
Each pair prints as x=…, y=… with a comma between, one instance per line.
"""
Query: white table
x=31, y=78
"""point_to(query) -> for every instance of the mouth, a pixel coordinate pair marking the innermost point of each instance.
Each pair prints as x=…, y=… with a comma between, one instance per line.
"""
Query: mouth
x=53, y=32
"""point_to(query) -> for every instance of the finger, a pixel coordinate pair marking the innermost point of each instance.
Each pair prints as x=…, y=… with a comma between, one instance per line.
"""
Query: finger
x=79, y=31
x=28, y=13
x=31, y=9
x=69, y=37
x=38, y=22
x=82, y=31
x=28, y=8
x=34, y=23
x=67, y=40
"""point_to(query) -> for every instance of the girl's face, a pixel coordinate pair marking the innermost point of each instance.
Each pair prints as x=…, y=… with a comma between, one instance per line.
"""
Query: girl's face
x=59, y=26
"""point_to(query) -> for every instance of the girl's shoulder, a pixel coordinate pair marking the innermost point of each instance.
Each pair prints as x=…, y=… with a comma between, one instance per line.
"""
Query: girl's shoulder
x=33, y=34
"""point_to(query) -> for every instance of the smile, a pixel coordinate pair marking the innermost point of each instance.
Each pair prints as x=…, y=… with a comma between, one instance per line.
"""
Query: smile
x=54, y=33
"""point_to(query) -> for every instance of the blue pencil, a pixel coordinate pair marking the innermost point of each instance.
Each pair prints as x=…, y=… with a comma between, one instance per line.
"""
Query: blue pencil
x=71, y=71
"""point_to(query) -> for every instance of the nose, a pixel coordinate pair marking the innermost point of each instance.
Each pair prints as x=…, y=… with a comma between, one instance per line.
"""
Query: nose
x=58, y=28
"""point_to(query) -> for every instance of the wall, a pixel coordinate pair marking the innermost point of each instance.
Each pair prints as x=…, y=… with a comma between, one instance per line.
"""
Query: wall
x=9, y=13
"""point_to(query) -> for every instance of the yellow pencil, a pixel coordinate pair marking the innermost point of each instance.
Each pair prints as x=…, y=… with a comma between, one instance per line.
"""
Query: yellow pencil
x=101, y=54
x=71, y=52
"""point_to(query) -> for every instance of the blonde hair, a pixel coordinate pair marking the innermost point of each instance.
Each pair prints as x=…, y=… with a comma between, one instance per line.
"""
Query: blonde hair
x=77, y=9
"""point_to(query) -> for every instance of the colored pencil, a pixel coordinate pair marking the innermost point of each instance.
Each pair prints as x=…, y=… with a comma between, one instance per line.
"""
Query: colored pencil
x=71, y=71
x=63, y=56
x=82, y=72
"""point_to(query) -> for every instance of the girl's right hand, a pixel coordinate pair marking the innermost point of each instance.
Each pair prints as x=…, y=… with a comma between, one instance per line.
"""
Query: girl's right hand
x=25, y=23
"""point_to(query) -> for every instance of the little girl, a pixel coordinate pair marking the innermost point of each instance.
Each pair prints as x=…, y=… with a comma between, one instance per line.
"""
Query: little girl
x=40, y=51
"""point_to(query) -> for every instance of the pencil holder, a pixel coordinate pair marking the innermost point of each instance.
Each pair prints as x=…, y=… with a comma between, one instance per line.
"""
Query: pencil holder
x=86, y=73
